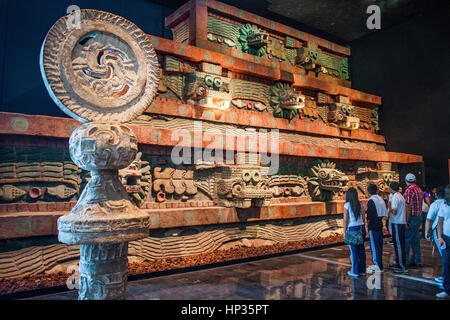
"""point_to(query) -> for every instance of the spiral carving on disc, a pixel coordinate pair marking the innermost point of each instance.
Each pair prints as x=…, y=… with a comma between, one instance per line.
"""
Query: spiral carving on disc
x=104, y=70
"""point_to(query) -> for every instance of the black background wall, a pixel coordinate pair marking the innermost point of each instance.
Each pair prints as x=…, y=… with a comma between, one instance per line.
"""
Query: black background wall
x=408, y=65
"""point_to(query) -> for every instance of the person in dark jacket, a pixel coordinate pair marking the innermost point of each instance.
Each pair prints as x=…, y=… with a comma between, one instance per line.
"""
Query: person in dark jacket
x=375, y=228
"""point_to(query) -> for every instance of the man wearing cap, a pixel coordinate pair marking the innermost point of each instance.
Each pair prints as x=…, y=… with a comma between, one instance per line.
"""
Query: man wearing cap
x=413, y=197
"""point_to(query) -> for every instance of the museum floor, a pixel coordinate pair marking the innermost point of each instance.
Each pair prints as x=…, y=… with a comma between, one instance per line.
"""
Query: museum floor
x=320, y=274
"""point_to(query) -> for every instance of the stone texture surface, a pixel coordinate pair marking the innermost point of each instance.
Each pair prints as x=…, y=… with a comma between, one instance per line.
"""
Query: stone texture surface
x=175, y=242
x=32, y=282
x=180, y=214
x=103, y=271
x=43, y=126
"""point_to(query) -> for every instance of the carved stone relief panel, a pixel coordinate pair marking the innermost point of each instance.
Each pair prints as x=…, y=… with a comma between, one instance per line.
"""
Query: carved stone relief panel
x=239, y=186
x=382, y=175
x=325, y=181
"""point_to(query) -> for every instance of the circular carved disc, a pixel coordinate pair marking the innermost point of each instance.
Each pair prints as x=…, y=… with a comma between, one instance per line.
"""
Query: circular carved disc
x=98, y=66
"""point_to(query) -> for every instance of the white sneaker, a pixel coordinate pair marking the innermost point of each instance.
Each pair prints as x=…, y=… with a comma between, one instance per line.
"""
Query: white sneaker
x=442, y=295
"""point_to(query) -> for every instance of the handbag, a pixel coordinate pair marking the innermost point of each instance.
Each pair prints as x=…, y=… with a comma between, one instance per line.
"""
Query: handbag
x=354, y=238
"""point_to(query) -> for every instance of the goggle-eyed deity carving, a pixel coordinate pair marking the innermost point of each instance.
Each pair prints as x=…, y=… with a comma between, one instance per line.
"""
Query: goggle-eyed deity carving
x=238, y=186
x=288, y=186
x=382, y=177
x=208, y=90
x=341, y=115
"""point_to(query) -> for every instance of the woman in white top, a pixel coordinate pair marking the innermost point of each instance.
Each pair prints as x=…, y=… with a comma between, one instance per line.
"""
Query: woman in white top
x=443, y=230
x=354, y=220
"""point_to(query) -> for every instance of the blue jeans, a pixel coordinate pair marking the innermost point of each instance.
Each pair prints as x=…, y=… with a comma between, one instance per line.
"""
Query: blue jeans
x=446, y=265
x=358, y=253
x=413, y=239
x=376, y=248
x=398, y=237
x=436, y=243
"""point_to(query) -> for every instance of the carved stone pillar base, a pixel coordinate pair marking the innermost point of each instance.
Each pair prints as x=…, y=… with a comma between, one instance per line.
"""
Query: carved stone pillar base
x=103, y=271
x=97, y=219
x=104, y=218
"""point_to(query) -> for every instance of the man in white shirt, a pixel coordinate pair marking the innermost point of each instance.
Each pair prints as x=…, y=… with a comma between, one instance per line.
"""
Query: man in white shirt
x=444, y=243
x=398, y=220
x=432, y=221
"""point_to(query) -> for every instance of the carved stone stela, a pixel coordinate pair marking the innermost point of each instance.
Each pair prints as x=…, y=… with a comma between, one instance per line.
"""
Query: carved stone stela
x=104, y=72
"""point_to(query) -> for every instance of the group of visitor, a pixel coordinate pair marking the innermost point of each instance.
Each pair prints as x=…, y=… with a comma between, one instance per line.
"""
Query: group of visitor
x=405, y=214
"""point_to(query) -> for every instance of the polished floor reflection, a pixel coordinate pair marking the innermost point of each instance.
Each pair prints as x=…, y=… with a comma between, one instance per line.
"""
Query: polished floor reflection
x=320, y=274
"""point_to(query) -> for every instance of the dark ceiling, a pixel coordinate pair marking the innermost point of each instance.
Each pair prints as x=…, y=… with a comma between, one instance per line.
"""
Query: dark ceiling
x=346, y=19
x=341, y=21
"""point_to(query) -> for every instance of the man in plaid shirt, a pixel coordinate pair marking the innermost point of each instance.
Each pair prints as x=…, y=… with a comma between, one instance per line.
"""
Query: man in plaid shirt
x=414, y=198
